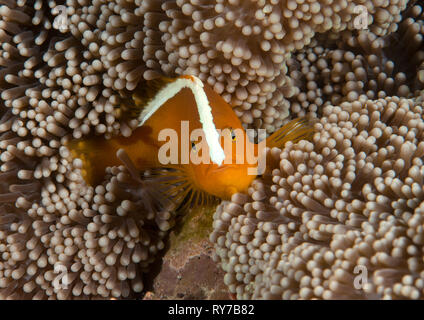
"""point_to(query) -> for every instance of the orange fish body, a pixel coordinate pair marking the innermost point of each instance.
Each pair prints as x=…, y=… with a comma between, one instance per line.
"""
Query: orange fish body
x=144, y=146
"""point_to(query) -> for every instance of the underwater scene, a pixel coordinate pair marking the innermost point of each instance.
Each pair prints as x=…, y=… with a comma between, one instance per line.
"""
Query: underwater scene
x=211, y=149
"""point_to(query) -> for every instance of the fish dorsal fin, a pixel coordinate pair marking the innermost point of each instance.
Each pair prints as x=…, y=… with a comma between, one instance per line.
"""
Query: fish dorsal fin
x=143, y=94
x=168, y=88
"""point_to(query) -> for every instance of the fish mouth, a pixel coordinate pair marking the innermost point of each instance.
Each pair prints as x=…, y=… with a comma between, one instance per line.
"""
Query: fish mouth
x=221, y=168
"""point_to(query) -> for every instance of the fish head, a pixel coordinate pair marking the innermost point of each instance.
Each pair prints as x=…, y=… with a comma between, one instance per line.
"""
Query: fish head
x=234, y=174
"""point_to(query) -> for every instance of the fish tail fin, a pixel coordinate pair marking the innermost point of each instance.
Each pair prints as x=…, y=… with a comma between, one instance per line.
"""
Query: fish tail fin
x=296, y=130
x=95, y=155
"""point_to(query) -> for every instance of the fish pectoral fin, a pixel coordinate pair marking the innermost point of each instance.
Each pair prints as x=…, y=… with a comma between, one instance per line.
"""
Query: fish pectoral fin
x=296, y=130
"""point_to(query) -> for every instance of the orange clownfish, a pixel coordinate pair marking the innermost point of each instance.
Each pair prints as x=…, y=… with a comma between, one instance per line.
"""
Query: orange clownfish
x=171, y=113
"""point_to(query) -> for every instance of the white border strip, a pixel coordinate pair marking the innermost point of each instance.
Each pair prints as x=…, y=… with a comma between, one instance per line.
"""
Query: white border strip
x=206, y=119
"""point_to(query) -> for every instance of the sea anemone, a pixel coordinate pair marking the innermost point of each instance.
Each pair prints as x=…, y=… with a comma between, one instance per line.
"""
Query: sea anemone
x=238, y=47
x=351, y=197
x=79, y=241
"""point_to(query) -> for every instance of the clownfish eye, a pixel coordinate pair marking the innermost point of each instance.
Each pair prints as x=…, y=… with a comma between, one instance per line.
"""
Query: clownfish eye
x=233, y=135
